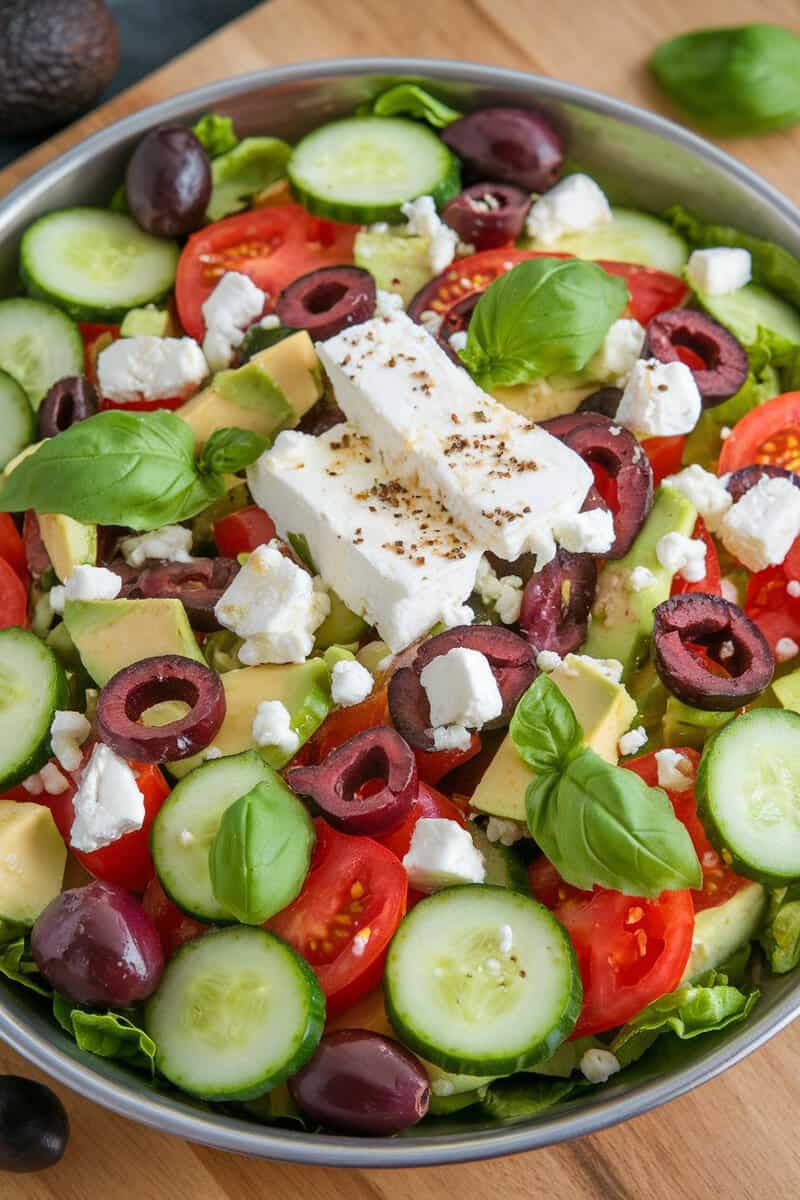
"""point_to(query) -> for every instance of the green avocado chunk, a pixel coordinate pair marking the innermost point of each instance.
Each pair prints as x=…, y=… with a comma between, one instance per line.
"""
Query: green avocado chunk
x=68, y=542
x=719, y=932
x=32, y=860
x=112, y=634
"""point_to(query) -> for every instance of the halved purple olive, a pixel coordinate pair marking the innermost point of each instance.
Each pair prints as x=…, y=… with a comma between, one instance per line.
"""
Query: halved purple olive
x=596, y=439
x=36, y=555
x=198, y=585
x=68, y=401
x=510, y=658
x=324, y=415
x=557, y=601
x=328, y=300
x=728, y=638
x=134, y=689
x=725, y=359
x=366, y=786
x=487, y=215
x=512, y=145
x=739, y=482
x=605, y=401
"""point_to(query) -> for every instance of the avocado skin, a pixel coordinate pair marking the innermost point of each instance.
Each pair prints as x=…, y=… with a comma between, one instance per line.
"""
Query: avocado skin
x=56, y=56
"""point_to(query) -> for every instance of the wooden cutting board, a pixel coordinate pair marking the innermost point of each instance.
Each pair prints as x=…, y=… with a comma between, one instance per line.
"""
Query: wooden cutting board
x=737, y=1136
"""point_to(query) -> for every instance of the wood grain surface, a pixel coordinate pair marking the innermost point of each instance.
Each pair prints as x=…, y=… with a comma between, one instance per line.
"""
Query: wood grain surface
x=736, y=1137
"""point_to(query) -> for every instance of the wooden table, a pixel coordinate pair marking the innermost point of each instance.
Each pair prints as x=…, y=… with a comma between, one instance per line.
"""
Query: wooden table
x=738, y=1135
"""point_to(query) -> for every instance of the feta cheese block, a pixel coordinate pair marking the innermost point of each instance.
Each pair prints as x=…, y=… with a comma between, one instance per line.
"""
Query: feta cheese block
x=500, y=476
x=392, y=553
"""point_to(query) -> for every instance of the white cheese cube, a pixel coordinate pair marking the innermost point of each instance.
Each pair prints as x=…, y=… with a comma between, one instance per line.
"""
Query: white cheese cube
x=107, y=804
x=704, y=490
x=621, y=348
x=675, y=771
x=786, y=648
x=234, y=304
x=682, y=555
x=424, y=221
x=599, y=1065
x=719, y=270
x=660, y=399
x=442, y=853
x=505, y=593
x=86, y=583
x=461, y=689
x=171, y=543
x=351, y=683
x=507, y=833
x=150, y=368
x=575, y=205
x=589, y=532
x=272, y=726
x=760, y=528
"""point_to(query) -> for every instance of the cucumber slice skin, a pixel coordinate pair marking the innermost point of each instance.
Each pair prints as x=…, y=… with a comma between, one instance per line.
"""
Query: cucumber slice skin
x=39, y=345
x=316, y=193
x=40, y=267
x=631, y=236
x=462, y=1061
x=25, y=743
x=17, y=421
x=742, y=743
x=245, y=944
x=743, y=311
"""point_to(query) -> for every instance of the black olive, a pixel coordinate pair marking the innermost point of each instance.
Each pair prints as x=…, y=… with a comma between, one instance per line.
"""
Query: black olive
x=34, y=1127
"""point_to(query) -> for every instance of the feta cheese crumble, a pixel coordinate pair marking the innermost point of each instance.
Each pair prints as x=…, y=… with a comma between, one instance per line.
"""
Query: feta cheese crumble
x=458, y=340
x=548, y=660
x=68, y=731
x=85, y=583
x=640, y=578
x=107, y=804
x=171, y=543
x=730, y=591
x=615, y=359
x=504, y=594
x=599, y=1065
x=759, y=529
x=659, y=400
x=785, y=649
x=793, y=588
x=507, y=833
x=675, y=771
x=720, y=270
x=275, y=606
x=150, y=368
x=589, y=532
x=461, y=689
x=451, y=737
x=704, y=490
x=506, y=939
x=424, y=220
x=49, y=780
x=272, y=726
x=682, y=555
x=387, y=303
x=234, y=304
x=632, y=741
x=575, y=205
x=350, y=683
x=442, y=853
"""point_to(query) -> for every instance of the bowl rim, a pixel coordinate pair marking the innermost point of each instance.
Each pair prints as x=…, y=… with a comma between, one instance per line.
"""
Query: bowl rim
x=177, y=1116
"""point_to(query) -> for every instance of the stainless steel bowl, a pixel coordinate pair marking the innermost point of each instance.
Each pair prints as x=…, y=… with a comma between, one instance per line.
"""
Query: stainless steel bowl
x=640, y=159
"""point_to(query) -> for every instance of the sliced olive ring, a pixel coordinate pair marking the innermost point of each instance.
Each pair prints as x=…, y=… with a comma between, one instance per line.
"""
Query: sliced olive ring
x=728, y=638
x=725, y=362
x=328, y=300
x=739, y=482
x=68, y=401
x=557, y=601
x=134, y=689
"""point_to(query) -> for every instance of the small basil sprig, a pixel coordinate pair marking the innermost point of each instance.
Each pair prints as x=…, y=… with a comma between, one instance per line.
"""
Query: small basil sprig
x=546, y=316
x=597, y=823
x=261, y=853
x=215, y=134
x=740, y=80
x=410, y=100
x=127, y=468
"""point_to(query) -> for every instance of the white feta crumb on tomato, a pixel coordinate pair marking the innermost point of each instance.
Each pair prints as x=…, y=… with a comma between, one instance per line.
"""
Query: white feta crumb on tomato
x=68, y=731
x=270, y=321
x=659, y=400
x=574, y=205
x=461, y=689
x=640, y=578
x=275, y=606
x=759, y=528
x=424, y=221
x=682, y=555
x=730, y=591
x=675, y=771
x=704, y=490
x=442, y=853
x=504, y=593
x=793, y=588
x=598, y=1065
x=387, y=303
x=590, y=532
x=170, y=543
x=507, y=833
x=49, y=780
x=725, y=432
x=272, y=726
x=719, y=270
x=431, y=321
x=621, y=348
x=548, y=660
x=450, y=737
x=86, y=583
x=350, y=683
x=458, y=340
x=150, y=368
x=632, y=741
x=234, y=304
x=33, y=784
x=785, y=649
x=107, y=804
x=506, y=939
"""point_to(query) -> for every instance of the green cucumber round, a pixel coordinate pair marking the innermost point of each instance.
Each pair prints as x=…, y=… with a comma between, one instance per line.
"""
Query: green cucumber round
x=748, y=308
x=32, y=687
x=364, y=169
x=459, y=1000
x=39, y=345
x=17, y=422
x=236, y=1013
x=631, y=236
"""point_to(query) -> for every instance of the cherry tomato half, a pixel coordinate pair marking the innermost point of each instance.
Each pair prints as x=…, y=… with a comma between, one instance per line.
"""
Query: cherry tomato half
x=243, y=531
x=13, y=598
x=429, y=803
x=433, y=765
x=96, y=337
x=768, y=603
x=711, y=583
x=12, y=547
x=768, y=434
x=174, y=926
x=665, y=454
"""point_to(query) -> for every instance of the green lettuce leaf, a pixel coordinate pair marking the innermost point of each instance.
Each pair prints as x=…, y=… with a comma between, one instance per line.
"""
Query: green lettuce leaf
x=522, y=1096
x=215, y=133
x=411, y=100
x=108, y=1034
x=543, y=728
x=244, y=171
x=17, y=965
x=780, y=935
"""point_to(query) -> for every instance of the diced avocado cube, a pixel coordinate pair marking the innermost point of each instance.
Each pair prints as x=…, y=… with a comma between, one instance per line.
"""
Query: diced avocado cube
x=398, y=263
x=719, y=932
x=69, y=543
x=32, y=860
x=787, y=690
x=112, y=634
x=147, y=322
x=688, y=726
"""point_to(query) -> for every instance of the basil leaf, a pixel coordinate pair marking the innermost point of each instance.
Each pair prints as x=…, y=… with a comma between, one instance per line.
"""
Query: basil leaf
x=108, y=1034
x=732, y=81
x=243, y=171
x=17, y=965
x=780, y=936
x=546, y=316
x=543, y=728
x=410, y=100
x=230, y=450
x=261, y=853
x=215, y=134
x=602, y=825
x=299, y=543
x=116, y=468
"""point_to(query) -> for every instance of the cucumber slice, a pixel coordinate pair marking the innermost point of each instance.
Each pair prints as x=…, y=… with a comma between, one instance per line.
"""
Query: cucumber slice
x=39, y=344
x=17, y=422
x=237, y=1012
x=187, y=824
x=364, y=168
x=32, y=687
x=631, y=236
x=96, y=264
x=456, y=998
x=504, y=865
x=748, y=307
x=748, y=794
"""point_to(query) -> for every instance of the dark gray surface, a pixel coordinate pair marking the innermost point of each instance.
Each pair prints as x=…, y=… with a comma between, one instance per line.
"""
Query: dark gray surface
x=151, y=33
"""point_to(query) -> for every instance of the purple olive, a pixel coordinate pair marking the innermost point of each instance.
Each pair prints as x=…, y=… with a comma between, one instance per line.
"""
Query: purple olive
x=728, y=638
x=360, y=1082
x=510, y=658
x=198, y=585
x=324, y=415
x=68, y=401
x=168, y=182
x=328, y=300
x=488, y=214
x=557, y=601
x=614, y=449
x=739, y=482
x=152, y=681
x=97, y=946
x=36, y=555
x=376, y=757
x=604, y=401
x=726, y=362
x=511, y=145
x=34, y=1127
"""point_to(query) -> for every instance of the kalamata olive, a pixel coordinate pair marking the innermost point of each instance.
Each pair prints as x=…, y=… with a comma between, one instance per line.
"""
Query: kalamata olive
x=34, y=1127
x=96, y=945
x=360, y=1082
x=197, y=584
x=739, y=482
x=153, y=681
x=727, y=637
x=725, y=359
x=605, y=401
x=35, y=551
x=365, y=786
x=488, y=214
x=557, y=601
x=617, y=452
x=68, y=401
x=323, y=416
x=168, y=182
x=510, y=657
x=327, y=300
x=512, y=145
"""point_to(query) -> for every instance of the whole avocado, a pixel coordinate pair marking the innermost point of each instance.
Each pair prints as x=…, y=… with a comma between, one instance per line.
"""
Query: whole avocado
x=56, y=56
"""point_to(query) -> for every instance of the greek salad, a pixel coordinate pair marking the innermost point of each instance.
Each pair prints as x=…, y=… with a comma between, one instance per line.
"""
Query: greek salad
x=400, y=606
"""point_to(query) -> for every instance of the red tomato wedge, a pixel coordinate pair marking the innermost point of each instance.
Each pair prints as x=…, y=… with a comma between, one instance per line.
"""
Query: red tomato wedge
x=96, y=337
x=12, y=547
x=355, y=886
x=433, y=765
x=768, y=434
x=711, y=583
x=243, y=531
x=768, y=603
x=429, y=803
x=13, y=597
x=272, y=245
x=665, y=454
x=173, y=925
